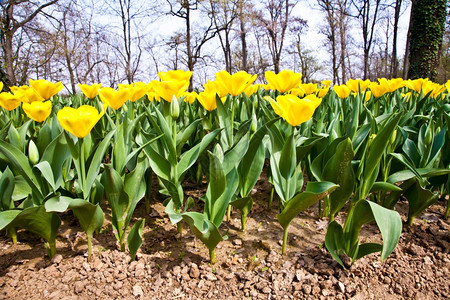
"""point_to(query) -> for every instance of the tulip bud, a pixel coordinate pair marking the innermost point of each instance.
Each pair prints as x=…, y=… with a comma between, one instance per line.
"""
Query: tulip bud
x=428, y=136
x=254, y=122
x=33, y=153
x=174, y=108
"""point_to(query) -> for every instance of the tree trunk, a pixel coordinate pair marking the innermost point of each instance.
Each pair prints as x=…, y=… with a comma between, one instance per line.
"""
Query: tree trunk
x=426, y=35
x=394, y=61
x=243, y=37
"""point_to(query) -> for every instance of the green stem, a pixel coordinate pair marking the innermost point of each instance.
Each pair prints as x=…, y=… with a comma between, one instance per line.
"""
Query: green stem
x=82, y=166
x=285, y=235
x=229, y=213
x=180, y=228
x=269, y=205
x=232, y=122
x=212, y=256
x=447, y=211
x=12, y=232
x=243, y=221
x=51, y=248
x=89, y=240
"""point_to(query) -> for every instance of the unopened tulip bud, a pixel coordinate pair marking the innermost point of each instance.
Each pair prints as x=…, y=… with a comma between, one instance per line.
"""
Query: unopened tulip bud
x=33, y=153
x=174, y=108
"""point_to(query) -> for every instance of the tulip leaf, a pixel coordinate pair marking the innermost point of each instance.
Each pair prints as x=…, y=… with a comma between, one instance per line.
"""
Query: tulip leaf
x=186, y=134
x=8, y=216
x=134, y=186
x=368, y=248
x=288, y=160
x=203, y=229
x=158, y=163
x=419, y=199
x=384, y=187
x=7, y=186
x=171, y=147
x=73, y=148
x=47, y=173
x=96, y=161
x=216, y=186
x=400, y=157
x=14, y=138
x=334, y=241
x=314, y=192
x=170, y=210
x=436, y=147
x=224, y=122
x=19, y=163
x=134, y=239
x=360, y=136
x=423, y=172
x=57, y=204
x=136, y=151
x=90, y=216
x=233, y=156
x=40, y=222
x=250, y=173
x=56, y=153
x=411, y=151
x=221, y=204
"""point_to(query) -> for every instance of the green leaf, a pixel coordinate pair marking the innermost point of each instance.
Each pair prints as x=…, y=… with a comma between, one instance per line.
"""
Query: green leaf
x=249, y=174
x=21, y=188
x=159, y=164
x=56, y=154
x=225, y=123
x=216, y=186
x=57, y=204
x=134, y=238
x=134, y=186
x=233, y=156
x=19, y=164
x=91, y=216
x=385, y=187
x=423, y=172
x=7, y=185
x=47, y=173
x=334, y=241
x=170, y=210
x=14, y=138
x=7, y=216
x=368, y=248
x=186, y=134
x=419, y=199
x=96, y=161
x=314, y=192
x=288, y=158
x=167, y=136
x=203, y=229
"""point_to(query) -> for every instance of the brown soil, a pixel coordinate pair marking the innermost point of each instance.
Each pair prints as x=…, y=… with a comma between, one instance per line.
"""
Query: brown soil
x=249, y=263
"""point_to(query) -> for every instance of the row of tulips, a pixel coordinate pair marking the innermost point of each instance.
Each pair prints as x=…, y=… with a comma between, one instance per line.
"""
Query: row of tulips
x=363, y=144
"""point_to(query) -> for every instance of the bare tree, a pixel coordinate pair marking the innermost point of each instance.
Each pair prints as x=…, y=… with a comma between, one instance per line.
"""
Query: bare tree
x=15, y=14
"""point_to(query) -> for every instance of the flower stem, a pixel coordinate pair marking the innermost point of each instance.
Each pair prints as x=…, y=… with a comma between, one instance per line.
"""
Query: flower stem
x=212, y=256
x=89, y=240
x=285, y=235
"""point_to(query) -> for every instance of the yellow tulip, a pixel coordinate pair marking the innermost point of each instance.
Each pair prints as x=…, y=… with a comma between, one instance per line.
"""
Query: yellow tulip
x=38, y=111
x=46, y=89
x=208, y=100
x=368, y=95
x=168, y=89
x=113, y=98
x=137, y=92
x=391, y=85
x=342, y=91
x=251, y=89
x=293, y=109
x=27, y=94
x=178, y=75
x=407, y=95
x=1, y=86
x=9, y=101
x=309, y=88
x=416, y=84
x=283, y=81
x=233, y=84
x=190, y=97
x=322, y=92
x=377, y=89
x=326, y=83
x=447, y=85
x=90, y=91
x=356, y=84
x=79, y=122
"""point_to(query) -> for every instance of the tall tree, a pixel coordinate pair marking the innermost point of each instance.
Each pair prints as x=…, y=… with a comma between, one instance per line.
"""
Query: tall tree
x=15, y=15
x=394, y=60
x=426, y=32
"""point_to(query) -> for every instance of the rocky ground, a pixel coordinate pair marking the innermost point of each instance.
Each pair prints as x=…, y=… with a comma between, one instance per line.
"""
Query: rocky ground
x=249, y=263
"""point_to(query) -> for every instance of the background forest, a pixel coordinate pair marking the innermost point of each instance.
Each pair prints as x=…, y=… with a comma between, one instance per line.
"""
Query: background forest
x=87, y=41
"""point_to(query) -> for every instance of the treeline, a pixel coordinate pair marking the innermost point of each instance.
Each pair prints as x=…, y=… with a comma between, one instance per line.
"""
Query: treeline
x=89, y=41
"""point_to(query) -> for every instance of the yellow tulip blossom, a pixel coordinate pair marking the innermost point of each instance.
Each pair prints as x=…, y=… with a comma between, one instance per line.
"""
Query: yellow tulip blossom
x=407, y=95
x=38, y=111
x=90, y=91
x=9, y=101
x=391, y=85
x=309, y=88
x=367, y=95
x=342, y=91
x=27, y=94
x=114, y=98
x=80, y=121
x=293, y=109
x=251, y=89
x=283, y=81
x=168, y=89
x=190, y=97
x=377, y=89
x=447, y=85
x=208, y=100
x=326, y=83
x=137, y=92
x=178, y=75
x=322, y=92
x=233, y=84
x=46, y=89
x=356, y=84
x=416, y=84
x=1, y=86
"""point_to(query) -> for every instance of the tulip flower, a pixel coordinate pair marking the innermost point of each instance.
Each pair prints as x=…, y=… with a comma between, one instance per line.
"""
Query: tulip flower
x=27, y=94
x=407, y=96
x=190, y=97
x=356, y=84
x=178, y=75
x=90, y=91
x=46, y=89
x=113, y=98
x=80, y=121
x=416, y=84
x=326, y=83
x=208, y=100
x=168, y=89
x=137, y=92
x=38, y=111
x=447, y=85
x=391, y=85
x=1, y=86
x=251, y=89
x=293, y=109
x=322, y=92
x=233, y=84
x=342, y=91
x=283, y=81
x=9, y=101
x=377, y=89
